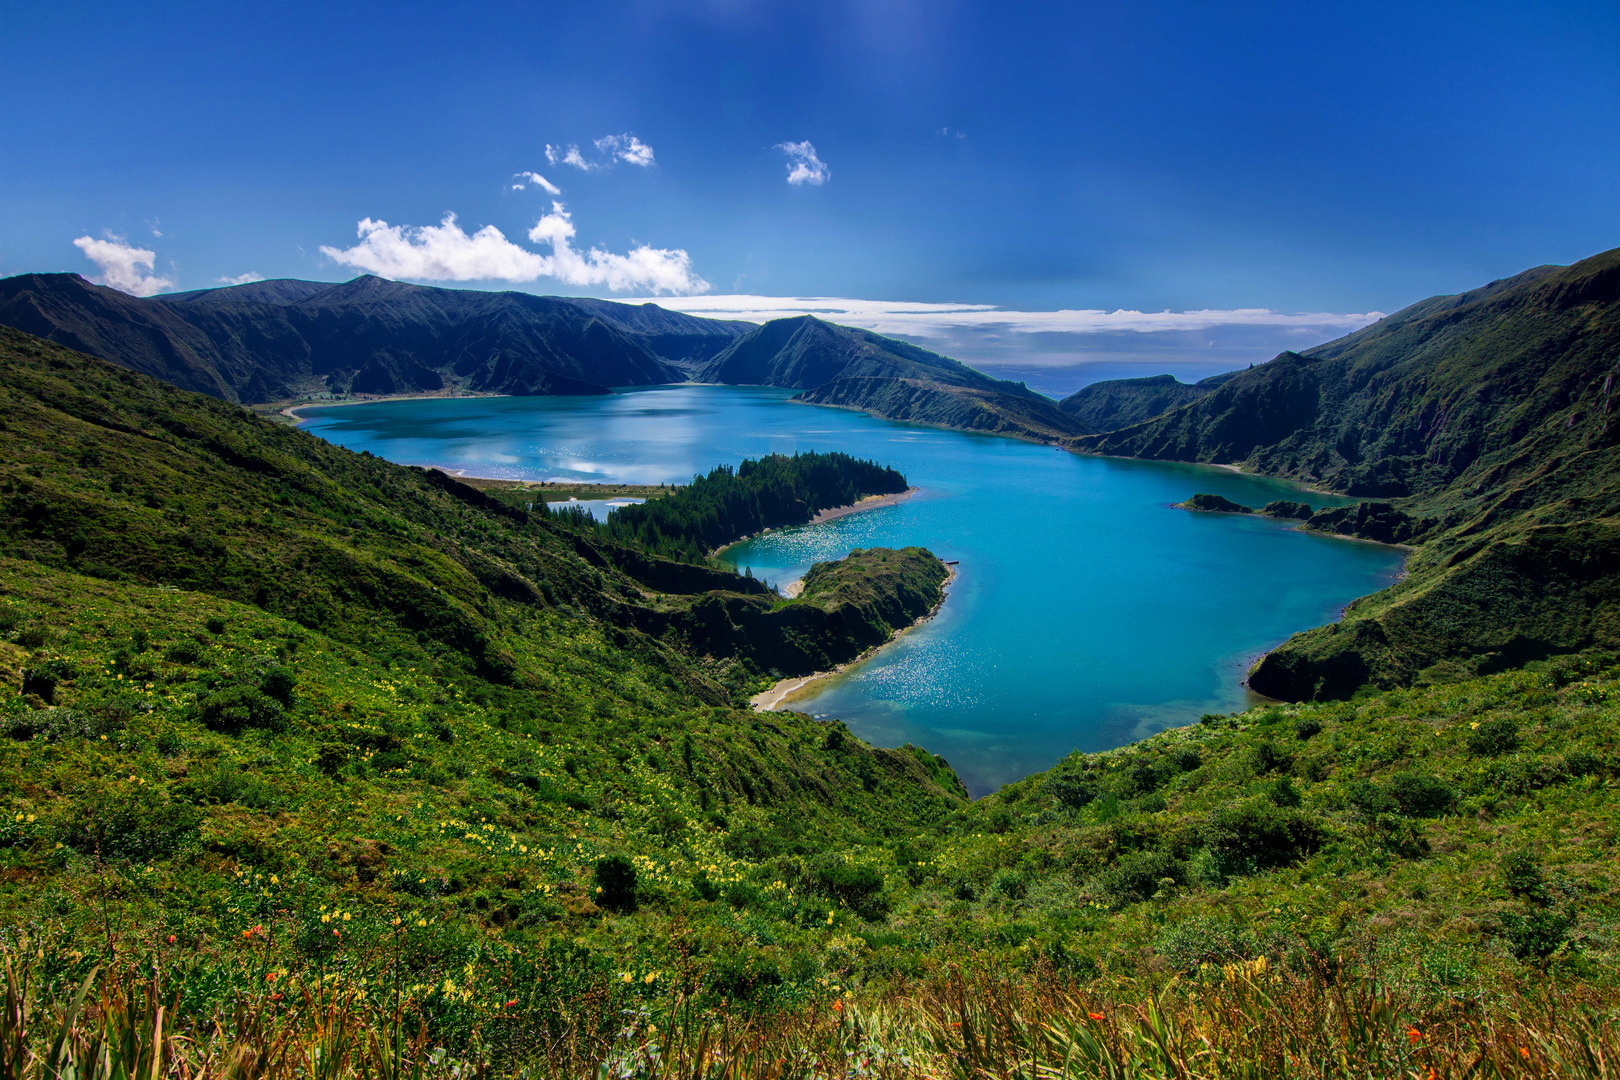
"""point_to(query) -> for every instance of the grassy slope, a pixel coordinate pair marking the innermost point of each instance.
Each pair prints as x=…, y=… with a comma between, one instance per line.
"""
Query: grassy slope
x=212, y=765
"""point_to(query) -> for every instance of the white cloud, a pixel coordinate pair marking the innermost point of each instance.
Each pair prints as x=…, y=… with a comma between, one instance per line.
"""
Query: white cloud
x=661, y=270
x=627, y=148
x=441, y=252
x=242, y=279
x=121, y=265
x=524, y=179
x=444, y=252
x=804, y=167
x=924, y=320
x=571, y=156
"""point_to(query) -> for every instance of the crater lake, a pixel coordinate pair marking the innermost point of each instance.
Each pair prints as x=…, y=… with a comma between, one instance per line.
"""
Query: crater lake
x=1086, y=612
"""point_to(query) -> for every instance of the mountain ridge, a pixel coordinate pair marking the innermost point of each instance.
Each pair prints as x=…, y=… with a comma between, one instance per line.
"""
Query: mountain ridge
x=267, y=341
x=859, y=369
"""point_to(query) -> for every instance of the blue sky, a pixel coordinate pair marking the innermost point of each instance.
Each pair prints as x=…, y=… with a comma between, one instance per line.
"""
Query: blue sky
x=1331, y=159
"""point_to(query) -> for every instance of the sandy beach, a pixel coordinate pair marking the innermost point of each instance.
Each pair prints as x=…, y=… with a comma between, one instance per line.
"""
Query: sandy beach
x=787, y=690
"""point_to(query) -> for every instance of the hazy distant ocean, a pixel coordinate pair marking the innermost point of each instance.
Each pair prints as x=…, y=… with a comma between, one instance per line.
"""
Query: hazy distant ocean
x=1086, y=612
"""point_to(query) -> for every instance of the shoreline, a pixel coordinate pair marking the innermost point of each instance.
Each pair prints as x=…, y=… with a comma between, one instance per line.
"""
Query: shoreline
x=870, y=502
x=291, y=411
x=791, y=689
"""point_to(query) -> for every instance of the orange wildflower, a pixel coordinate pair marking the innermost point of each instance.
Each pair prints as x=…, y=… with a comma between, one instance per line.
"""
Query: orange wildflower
x=1414, y=1035
x=1096, y=1016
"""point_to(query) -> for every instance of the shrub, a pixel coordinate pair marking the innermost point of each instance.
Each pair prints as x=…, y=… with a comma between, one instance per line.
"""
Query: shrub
x=1258, y=834
x=230, y=784
x=1537, y=932
x=1010, y=884
x=1368, y=798
x=615, y=878
x=1071, y=790
x=237, y=708
x=1498, y=736
x=1282, y=792
x=140, y=823
x=1523, y=878
x=1138, y=876
x=278, y=684
x=1267, y=758
x=1421, y=794
x=1307, y=729
x=184, y=651
x=1206, y=939
x=847, y=884
x=215, y=625
x=744, y=974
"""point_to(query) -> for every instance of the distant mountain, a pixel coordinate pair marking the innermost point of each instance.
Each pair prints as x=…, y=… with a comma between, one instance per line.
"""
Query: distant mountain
x=1116, y=403
x=1413, y=402
x=269, y=340
x=1490, y=419
x=858, y=369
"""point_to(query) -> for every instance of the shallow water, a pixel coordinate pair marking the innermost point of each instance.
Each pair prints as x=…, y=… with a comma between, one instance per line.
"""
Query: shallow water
x=1086, y=612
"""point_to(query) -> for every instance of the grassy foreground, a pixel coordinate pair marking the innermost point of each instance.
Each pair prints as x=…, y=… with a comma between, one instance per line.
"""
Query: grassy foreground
x=350, y=770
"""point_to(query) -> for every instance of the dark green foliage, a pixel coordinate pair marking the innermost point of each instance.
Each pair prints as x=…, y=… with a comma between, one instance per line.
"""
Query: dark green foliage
x=128, y=821
x=237, y=708
x=1071, y=790
x=1498, y=736
x=1537, y=932
x=1375, y=521
x=1138, y=876
x=1206, y=939
x=278, y=683
x=1541, y=925
x=1284, y=508
x=184, y=651
x=1307, y=729
x=1282, y=792
x=1256, y=834
x=215, y=626
x=1523, y=878
x=729, y=504
x=1421, y=795
x=1214, y=504
x=615, y=878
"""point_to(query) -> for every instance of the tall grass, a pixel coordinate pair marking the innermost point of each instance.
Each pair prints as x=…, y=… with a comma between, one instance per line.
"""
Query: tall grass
x=1241, y=1021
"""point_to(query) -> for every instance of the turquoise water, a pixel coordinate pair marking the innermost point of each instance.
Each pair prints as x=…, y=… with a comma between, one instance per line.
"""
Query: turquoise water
x=1086, y=612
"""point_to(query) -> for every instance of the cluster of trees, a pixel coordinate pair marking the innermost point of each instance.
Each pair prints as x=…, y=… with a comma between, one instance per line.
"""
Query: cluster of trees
x=729, y=503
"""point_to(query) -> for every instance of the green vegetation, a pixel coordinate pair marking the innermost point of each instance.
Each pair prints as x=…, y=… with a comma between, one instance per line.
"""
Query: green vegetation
x=354, y=768
x=1485, y=425
x=1214, y=504
x=729, y=504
